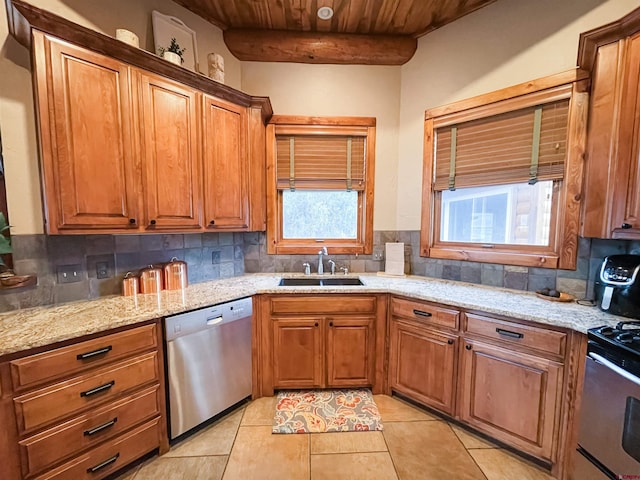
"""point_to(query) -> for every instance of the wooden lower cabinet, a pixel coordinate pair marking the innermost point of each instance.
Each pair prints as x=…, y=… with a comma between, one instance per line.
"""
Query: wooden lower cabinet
x=512, y=396
x=422, y=364
x=105, y=409
x=319, y=341
x=298, y=352
x=323, y=352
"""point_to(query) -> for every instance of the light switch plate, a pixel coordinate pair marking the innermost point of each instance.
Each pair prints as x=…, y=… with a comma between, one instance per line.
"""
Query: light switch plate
x=69, y=273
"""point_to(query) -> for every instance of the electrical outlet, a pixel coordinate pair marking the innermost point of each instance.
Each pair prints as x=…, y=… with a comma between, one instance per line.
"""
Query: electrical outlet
x=102, y=269
x=378, y=254
x=69, y=273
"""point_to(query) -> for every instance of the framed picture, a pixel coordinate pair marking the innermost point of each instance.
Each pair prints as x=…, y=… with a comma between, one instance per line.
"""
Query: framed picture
x=166, y=27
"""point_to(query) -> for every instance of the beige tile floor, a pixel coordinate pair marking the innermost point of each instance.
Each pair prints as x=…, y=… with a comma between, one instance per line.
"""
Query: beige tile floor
x=414, y=445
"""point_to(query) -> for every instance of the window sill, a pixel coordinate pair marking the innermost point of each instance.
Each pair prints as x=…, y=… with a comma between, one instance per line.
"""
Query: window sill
x=538, y=260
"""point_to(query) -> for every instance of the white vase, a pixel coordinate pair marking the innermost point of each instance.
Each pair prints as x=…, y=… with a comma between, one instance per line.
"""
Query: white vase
x=172, y=57
x=216, y=67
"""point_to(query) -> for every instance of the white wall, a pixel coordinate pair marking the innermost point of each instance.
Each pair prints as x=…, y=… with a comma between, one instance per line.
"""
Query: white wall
x=17, y=120
x=340, y=90
x=503, y=44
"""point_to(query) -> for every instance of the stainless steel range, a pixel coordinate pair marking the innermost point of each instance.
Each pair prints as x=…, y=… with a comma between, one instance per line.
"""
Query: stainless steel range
x=609, y=436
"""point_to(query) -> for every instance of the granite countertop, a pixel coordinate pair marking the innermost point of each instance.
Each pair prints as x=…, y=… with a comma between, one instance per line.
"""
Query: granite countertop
x=36, y=327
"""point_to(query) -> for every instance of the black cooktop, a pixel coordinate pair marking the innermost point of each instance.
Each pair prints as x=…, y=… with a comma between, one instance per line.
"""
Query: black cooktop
x=619, y=344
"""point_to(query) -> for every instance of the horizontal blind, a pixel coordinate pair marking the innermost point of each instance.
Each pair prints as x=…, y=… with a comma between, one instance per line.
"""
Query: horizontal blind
x=498, y=149
x=320, y=162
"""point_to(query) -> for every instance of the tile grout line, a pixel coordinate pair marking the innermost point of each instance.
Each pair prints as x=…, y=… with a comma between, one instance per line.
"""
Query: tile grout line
x=395, y=468
x=226, y=464
x=467, y=451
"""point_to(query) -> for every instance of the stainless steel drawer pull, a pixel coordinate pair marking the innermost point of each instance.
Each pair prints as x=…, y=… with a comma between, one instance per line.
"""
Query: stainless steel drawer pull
x=420, y=313
x=100, y=351
x=99, y=389
x=99, y=428
x=509, y=334
x=101, y=465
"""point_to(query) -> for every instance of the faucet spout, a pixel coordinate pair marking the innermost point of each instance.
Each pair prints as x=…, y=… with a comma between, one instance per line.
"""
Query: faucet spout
x=322, y=252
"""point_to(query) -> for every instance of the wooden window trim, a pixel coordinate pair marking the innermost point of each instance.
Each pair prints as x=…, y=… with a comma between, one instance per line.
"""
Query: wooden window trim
x=286, y=124
x=562, y=253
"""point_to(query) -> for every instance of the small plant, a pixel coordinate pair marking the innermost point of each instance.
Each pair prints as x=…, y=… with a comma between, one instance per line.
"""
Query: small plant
x=174, y=47
x=5, y=242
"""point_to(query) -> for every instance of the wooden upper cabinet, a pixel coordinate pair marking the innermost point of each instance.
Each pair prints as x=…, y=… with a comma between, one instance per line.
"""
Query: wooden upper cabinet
x=611, y=207
x=224, y=143
x=169, y=123
x=88, y=162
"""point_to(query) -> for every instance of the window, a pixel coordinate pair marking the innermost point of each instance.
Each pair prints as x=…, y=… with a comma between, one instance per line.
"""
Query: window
x=502, y=175
x=320, y=184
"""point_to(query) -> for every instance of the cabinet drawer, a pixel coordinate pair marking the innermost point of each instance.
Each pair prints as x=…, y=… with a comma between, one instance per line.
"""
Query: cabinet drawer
x=67, y=361
x=425, y=312
x=46, y=405
x=320, y=304
x=541, y=339
x=110, y=456
x=87, y=430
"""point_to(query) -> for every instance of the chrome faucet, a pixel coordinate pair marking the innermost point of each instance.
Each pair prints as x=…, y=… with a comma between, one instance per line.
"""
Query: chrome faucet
x=332, y=264
x=320, y=254
x=307, y=268
x=345, y=270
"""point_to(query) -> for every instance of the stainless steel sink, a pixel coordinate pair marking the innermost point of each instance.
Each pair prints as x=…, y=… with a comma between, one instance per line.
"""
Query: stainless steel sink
x=318, y=282
x=299, y=282
x=341, y=281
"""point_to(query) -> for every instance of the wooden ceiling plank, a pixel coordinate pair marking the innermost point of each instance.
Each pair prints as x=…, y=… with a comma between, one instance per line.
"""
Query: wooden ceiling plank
x=277, y=15
x=385, y=16
x=422, y=14
x=400, y=18
x=308, y=14
x=470, y=8
x=319, y=48
x=206, y=10
x=353, y=15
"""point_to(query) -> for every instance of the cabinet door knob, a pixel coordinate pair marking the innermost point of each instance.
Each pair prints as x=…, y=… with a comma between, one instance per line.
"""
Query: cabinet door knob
x=212, y=222
x=132, y=221
x=316, y=324
x=626, y=226
x=450, y=342
x=331, y=324
x=152, y=222
x=468, y=347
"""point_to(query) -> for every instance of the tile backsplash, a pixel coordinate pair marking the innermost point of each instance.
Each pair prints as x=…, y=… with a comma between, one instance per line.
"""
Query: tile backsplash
x=220, y=255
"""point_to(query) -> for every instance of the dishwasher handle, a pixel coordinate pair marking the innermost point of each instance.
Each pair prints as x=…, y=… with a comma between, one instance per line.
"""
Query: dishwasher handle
x=211, y=321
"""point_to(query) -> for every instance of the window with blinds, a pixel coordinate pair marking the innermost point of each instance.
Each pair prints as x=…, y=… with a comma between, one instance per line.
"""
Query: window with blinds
x=522, y=146
x=496, y=187
x=320, y=162
x=321, y=186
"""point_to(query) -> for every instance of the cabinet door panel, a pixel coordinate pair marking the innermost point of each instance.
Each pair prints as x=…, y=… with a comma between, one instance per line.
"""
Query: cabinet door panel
x=225, y=170
x=512, y=397
x=350, y=351
x=90, y=161
x=171, y=154
x=298, y=353
x=422, y=364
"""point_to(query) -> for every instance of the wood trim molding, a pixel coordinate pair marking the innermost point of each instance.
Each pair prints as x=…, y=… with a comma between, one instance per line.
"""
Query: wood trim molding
x=609, y=33
x=23, y=18
x=533, y=86
x=319, y=47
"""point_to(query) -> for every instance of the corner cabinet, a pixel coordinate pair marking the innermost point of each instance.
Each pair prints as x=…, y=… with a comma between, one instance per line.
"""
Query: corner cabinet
x=611, y=207
x=319, y=341
x=130, y=143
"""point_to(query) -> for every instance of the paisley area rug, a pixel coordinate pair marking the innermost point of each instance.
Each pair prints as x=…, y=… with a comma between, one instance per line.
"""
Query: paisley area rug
x=317, y=411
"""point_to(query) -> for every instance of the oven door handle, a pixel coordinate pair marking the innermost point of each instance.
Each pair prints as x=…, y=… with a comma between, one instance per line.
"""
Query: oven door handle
x=612, y=366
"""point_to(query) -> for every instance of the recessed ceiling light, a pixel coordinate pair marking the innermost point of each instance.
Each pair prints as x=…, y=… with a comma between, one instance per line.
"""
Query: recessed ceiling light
x=325, y=13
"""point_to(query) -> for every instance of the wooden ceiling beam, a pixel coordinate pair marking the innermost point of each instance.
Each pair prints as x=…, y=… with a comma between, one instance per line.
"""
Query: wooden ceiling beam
x=319, y=47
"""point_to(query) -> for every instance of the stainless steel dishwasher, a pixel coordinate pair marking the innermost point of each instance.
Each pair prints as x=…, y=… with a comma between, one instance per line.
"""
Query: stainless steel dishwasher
x=208, y=362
